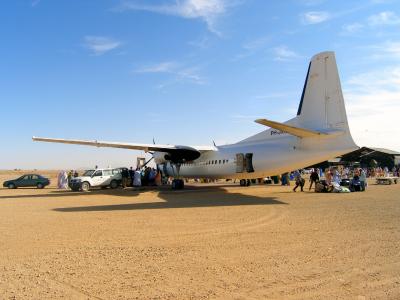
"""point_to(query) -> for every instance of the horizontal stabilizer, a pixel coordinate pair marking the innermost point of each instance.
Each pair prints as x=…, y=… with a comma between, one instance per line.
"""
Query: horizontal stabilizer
x=296, y=131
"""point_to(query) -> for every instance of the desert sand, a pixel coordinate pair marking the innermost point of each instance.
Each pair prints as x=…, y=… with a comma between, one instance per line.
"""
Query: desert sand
x=211, y=241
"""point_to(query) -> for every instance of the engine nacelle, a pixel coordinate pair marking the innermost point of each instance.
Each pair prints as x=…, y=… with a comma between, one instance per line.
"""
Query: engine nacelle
x=159, y=157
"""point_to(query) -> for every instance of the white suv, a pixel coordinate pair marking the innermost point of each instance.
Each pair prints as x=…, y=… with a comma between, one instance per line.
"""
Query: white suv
x=97, y=178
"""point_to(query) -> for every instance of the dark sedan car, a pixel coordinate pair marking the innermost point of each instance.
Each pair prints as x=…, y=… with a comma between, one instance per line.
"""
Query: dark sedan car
x=27, y=181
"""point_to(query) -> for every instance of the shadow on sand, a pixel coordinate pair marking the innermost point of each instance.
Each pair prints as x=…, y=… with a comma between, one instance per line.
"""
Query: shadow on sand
x=192, y=196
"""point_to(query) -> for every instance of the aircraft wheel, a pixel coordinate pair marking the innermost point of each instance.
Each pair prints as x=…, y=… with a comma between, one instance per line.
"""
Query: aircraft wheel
x=177, y=184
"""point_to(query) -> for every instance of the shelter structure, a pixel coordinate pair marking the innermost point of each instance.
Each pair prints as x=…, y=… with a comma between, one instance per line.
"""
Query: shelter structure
x=373, y=157
x=365, y=157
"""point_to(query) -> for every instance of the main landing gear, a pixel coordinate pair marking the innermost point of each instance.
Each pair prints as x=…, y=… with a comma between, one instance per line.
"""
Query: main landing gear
x=178, y=184
x=245, y=182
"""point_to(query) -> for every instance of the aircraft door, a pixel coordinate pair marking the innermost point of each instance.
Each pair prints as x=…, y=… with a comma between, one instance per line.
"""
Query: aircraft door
x=244, y=163
x=249, y=163
x=239, y=162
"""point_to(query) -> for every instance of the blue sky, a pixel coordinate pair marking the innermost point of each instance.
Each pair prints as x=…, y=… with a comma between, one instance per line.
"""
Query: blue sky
x=183, y=72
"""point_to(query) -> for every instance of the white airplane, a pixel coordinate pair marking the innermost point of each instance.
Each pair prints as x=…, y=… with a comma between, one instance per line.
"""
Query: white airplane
x=319, y=132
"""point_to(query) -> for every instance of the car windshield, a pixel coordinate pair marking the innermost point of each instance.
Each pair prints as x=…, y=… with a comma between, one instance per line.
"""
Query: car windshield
x=88, y=173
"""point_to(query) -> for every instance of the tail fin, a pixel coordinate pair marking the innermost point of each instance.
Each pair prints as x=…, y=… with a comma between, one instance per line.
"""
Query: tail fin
x=322, y=105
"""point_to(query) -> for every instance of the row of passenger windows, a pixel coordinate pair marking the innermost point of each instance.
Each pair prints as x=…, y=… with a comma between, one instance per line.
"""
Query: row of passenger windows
x=210, y=162
x=215, y=162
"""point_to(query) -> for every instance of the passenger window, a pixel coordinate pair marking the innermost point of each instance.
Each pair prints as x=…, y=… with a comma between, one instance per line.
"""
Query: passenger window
x=219, y=161
x=98, y=173
x=34, y=177
x=26, y=177
x=107, y=172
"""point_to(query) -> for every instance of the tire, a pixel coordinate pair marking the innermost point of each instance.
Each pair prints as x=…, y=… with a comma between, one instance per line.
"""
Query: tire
x=85, y=186
x=40, y=185
x=114, y=184
x=177, y=184
x=11, y=186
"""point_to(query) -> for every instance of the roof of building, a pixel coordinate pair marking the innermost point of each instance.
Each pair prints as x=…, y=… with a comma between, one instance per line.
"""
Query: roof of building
x=383, y=150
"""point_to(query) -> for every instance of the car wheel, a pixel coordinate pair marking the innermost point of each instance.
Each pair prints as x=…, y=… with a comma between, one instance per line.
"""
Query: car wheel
x=12, y=186
x=85, y=186
x=40, y=185
x=113, y=184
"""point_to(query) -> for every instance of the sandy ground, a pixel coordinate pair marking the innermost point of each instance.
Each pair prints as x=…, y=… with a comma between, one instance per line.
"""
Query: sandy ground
x=213, y=242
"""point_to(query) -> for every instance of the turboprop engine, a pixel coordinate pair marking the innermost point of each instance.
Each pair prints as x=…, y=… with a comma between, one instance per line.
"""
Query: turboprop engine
x=159, y=157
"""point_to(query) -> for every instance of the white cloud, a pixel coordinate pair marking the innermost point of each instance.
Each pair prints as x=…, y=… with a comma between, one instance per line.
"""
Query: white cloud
x=100, y=44
x=373, y=106
x=315, y=17
x=164, y=67
x=352, y=28
x=253, y=46
x=180, y=72
x=392, y=48
x=283, y=53
x=207, y=10
x=384, y=18
x=389, y=50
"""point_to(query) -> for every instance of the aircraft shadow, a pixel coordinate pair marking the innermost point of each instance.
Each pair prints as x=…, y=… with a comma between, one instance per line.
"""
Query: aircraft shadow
x=191, y=197
x=175, y=201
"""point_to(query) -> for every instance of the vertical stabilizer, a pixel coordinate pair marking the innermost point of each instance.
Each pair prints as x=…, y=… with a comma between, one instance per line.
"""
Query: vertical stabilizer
x=322, y=105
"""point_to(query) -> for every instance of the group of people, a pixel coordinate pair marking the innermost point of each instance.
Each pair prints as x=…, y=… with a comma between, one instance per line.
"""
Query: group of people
x=332, y=177
x=64, y=178
x=146, y=176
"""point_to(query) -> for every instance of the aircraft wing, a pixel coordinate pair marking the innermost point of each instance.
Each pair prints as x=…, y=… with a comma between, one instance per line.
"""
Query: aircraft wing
x=175, y=152
x=296, y=131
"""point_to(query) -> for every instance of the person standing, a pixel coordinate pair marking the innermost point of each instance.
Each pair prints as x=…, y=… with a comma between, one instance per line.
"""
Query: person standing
x=131, y=175
x=137, y=178
x=328, y=176
x=125, y=177
x=69, y=177
x=314, y=178
x=299, y=182
x=363, y=179
x=158, y=178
